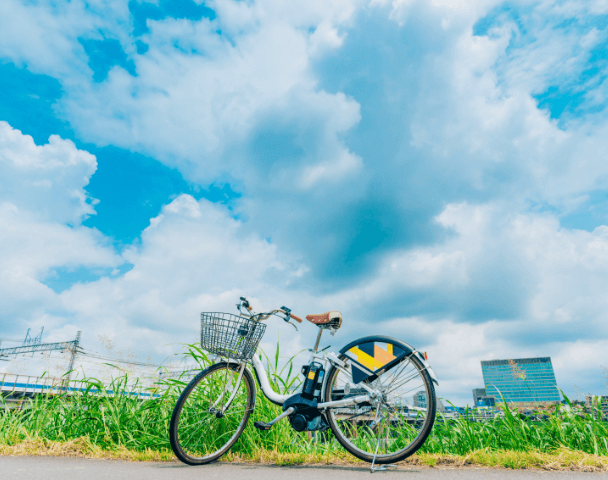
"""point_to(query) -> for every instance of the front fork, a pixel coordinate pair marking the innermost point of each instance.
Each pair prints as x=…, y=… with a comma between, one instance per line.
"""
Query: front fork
x=220, y=413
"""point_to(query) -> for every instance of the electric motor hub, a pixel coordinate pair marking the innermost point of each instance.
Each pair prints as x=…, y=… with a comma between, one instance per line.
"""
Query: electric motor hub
x=298, y=422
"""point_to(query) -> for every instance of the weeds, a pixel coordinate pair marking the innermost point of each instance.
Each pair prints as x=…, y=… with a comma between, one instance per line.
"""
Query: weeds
x=567, y=427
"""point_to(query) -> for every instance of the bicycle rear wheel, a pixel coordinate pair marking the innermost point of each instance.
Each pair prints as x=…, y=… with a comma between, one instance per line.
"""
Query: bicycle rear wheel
x=395, y=425
x=199, y=432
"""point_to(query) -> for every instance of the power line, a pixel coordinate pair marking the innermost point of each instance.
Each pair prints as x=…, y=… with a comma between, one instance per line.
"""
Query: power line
x=118, y=360
x=39, y=347
x=73, y=347
x=67, y=346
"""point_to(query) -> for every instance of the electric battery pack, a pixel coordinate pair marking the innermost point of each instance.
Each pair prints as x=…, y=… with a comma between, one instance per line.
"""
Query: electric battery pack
x=313, y=381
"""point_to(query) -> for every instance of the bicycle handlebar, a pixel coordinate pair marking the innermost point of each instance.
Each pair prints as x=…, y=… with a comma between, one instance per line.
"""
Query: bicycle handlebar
x=263, y=316
x=260, y=317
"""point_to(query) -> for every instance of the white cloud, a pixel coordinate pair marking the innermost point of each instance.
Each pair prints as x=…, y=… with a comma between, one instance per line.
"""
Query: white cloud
x=325, y=37
x=45, y=36
x=331, y=172
x=193, y=257
x=190, y=111
x=42, y=204
x=196, y=93
x=46, y=180
x=462, y=125
x=565, y=308
x=199, y=97
x=479, y=126
x=564, y=271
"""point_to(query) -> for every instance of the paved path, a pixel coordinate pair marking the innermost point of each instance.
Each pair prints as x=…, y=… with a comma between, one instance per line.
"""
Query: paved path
x=65, y=468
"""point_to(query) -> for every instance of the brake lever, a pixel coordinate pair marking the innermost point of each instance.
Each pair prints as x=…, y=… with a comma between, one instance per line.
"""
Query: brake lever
x=292, y=324
x=246, y=304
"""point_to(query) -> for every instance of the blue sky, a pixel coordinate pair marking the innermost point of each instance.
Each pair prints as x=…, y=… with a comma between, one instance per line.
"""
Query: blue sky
x=433, y=169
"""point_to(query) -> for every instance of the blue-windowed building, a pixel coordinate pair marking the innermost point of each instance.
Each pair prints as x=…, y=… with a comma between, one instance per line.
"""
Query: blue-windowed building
x=521, y=380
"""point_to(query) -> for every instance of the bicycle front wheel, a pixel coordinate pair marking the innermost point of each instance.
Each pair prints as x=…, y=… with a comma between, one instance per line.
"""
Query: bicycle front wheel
x=204, y=425
x=391, y=427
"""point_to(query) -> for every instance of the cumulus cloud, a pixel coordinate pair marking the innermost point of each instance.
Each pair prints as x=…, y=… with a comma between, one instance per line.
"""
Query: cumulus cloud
x=501, y=265
x=193, y=257
x=505, y=285
x=190, y=105
x=46, y=36
x=48, y=180
x=232, y=97
x=196, y=257
x=407, y=160
x=42, y=204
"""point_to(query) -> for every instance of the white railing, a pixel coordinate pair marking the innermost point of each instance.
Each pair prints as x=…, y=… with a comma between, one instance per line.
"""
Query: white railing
x=11, y=383
x=30, y=385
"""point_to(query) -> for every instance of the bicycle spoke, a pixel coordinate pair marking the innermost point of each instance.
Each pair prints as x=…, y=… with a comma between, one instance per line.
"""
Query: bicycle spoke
x=386, y=424
x=199, y=432
x=397, y=371
x=403, y=382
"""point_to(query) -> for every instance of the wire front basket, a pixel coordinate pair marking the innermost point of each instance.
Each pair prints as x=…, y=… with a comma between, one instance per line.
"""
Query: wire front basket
x=230, y=335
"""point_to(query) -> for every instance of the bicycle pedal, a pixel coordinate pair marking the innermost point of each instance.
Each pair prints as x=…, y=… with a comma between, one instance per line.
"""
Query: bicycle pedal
x=262, y=425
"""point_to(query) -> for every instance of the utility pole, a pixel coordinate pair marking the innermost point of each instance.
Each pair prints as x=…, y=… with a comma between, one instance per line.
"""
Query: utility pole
x=74, y=351
x=27, y=337
x=33, y=345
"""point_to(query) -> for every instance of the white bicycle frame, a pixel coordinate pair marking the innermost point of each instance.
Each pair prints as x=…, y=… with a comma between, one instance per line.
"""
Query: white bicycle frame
x=325, y=358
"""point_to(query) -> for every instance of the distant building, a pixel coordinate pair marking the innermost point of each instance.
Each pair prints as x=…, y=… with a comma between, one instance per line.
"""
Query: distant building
x=591, y=405
x=420, y=399
x=480, y=399
x=477, y=394
x=521, y=380
x=486, y=401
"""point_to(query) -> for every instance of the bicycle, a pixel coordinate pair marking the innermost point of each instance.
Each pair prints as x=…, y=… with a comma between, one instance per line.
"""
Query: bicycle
x=363, y=399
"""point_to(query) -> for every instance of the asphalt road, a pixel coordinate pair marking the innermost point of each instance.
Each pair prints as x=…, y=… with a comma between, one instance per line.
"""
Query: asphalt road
x=66, y=468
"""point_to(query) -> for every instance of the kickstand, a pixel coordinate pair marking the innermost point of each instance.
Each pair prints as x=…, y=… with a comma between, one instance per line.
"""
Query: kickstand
x=378, y=468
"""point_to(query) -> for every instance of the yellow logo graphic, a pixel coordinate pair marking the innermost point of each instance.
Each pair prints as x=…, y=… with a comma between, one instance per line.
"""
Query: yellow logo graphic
x=380, y=358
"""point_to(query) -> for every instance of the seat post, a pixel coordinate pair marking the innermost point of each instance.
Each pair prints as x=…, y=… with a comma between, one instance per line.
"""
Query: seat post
x=314, y=350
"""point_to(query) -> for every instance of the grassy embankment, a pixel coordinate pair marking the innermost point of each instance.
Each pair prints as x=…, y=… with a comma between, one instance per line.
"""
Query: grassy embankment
x=99, y=424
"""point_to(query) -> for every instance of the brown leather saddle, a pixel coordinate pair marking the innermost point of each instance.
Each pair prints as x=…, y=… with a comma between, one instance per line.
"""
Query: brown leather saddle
x=331, y=319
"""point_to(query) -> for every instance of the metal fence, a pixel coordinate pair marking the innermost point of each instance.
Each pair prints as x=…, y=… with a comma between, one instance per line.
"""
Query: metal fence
x=11, y=384
x=15, y=389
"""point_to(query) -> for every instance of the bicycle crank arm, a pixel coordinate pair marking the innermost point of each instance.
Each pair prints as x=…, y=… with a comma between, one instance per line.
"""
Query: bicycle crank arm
x=345, y=402
x=267, y=426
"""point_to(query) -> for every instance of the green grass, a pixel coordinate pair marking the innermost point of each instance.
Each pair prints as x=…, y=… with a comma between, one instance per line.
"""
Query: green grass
x=567, y=427
x=124, y=427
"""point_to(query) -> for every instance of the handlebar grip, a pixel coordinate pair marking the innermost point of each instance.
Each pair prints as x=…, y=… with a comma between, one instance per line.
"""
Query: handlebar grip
x=296, y=318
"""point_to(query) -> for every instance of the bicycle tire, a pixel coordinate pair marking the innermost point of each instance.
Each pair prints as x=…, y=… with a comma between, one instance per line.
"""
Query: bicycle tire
x=205, y=445
x=354, y=446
